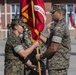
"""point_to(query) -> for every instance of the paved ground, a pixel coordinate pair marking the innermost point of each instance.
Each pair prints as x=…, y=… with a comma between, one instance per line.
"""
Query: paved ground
x=2, y=44
x=72, y=69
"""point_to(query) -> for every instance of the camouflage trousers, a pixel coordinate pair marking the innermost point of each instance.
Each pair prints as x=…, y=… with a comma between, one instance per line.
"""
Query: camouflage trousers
x=58, y=72
x=31, y=72
x=14, y=67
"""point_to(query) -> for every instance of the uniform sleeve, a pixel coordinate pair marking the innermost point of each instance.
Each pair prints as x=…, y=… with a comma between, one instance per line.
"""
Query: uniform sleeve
x=58, y=34
x=17, y=46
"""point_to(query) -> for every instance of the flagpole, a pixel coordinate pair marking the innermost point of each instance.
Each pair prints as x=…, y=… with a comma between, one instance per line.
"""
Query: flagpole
x=37, y=50
x=32, y=4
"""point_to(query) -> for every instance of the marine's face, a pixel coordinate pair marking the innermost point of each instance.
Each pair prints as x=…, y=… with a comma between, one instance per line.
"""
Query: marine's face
x=20, y=29
x=55, y=16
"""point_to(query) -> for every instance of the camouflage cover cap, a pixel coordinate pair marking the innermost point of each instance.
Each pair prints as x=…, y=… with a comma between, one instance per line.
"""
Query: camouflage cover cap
x=57, y=7
x=18, y=22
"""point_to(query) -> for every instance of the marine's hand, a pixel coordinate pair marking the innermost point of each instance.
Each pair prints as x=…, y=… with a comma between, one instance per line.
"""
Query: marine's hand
x=29, y=63
x=38, y=56
x=36, y=43
x=33, y=67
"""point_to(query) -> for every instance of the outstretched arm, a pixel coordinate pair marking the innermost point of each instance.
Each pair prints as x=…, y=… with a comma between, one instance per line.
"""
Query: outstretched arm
x=43, y=38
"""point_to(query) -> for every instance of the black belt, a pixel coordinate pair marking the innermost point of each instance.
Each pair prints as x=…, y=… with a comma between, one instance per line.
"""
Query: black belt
x=59, y=69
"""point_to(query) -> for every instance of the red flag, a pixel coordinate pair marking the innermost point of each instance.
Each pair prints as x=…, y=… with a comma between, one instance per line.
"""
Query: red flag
x=72, y=21
x=75, y=18
x=39, y=13
x=70, y=16
x=26, y=12
x=40, y=17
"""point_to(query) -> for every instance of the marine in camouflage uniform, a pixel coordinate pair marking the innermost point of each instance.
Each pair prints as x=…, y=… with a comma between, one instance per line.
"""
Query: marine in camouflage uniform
x=58, y=52
x=59, y=62
x=14, y=63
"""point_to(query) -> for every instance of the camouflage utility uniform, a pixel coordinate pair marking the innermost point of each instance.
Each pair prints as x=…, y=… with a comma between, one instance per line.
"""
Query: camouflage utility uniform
x=59, y=62
x=13, y=62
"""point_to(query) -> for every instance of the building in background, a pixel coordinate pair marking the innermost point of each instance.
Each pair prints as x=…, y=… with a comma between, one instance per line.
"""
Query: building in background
x=9, y=9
